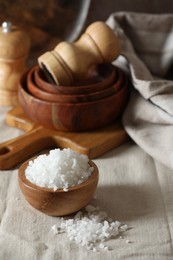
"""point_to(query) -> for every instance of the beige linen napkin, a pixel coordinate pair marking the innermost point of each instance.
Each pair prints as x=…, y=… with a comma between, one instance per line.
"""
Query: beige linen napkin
x=147, y=54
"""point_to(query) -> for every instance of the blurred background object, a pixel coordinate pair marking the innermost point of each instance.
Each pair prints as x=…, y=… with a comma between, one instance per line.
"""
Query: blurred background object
x=46, y=22
x=100, y=10
x=50, y=21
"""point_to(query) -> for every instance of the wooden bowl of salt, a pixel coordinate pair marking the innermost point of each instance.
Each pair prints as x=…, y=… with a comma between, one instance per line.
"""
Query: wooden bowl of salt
x=61, y=201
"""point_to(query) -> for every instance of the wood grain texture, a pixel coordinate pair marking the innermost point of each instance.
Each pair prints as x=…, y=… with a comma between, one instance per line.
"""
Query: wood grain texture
x=111, y=89
x=70, y=61
x=58, y=203
x=8, y=98
x=73, y=117
x=14, y=49
x=38, y=138
x=99, y=77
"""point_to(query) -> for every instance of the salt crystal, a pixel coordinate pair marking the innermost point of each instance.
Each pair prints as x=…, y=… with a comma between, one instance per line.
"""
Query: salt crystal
x=90, y=208
x=117, y=223
x=54, y=229
x=124, y=227
x=90, y=228
x=65, y=189
x=60, y=169
x=101, y=245
x=78, y=215
x=128, y=241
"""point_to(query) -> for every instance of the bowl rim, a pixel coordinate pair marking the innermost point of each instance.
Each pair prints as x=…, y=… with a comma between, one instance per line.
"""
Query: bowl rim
x=39, y=93
x=82, y=88
x=22, y=87
x=23, y=180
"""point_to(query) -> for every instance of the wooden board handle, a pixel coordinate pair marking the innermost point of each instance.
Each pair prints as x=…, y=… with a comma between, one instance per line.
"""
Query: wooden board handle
x=23, y=147
x=36, y=140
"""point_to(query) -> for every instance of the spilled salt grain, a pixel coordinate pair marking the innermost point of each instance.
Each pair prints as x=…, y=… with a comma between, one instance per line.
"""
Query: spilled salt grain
x=101, y=245
x=90, y=228
x=124, y=227
x=128, y=241
x=55, y=229
x=60, y=169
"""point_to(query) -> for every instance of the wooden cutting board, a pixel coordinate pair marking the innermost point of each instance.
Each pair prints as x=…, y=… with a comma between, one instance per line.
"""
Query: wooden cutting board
x=37, y=138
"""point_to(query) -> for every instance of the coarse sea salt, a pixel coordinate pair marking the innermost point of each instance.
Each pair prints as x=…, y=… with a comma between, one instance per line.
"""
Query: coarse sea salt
x=90, y=228
x=60, y=169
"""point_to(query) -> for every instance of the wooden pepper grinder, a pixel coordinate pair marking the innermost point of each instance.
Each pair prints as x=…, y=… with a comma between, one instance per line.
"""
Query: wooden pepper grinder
x=14, y=48
x=69, y=62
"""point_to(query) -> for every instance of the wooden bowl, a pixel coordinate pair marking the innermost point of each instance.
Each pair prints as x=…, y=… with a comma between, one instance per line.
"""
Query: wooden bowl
x=74, y=117
x=61, y=98
x=99, y=78
x=58, y=203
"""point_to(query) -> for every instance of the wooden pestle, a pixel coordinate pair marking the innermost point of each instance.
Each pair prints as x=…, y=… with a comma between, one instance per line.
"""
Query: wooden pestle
x=69, y=62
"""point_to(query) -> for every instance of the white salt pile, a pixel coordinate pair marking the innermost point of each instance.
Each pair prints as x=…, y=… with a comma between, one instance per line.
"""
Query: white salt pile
x=90, y=228
x=60, y=169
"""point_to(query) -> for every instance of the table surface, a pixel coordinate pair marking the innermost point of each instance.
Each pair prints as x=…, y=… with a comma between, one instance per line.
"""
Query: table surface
x=133, y=189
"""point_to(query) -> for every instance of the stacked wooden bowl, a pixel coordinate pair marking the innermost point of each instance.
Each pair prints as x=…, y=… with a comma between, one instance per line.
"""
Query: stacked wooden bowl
x=92, y=104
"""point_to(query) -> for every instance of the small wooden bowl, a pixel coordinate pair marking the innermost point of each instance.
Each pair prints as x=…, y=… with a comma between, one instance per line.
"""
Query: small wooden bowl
x=99, y=78
x=58, y=203
x=61, y=98
x=74, y=117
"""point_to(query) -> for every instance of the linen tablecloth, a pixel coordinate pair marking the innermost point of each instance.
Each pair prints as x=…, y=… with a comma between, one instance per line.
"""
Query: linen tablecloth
x=133, y=188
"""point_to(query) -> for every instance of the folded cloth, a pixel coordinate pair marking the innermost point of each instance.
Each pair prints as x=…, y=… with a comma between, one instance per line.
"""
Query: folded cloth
x=147, y=54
